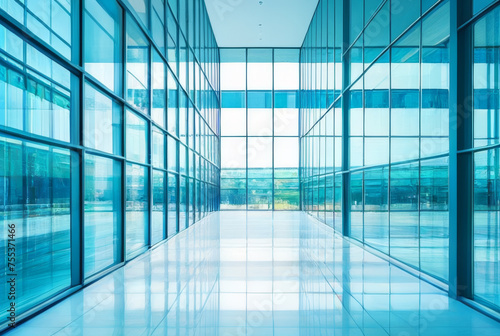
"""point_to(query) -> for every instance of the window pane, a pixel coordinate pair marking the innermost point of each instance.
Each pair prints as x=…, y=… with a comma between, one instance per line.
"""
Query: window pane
x=137, y=68
x=286, y=122
x=233, y=69
x=159, y=91
x=158, y=148
x=102, y=52
x=141, y=9
x=376, y=218
x=172, y=154
x=102, y=213
x=172, y=204
x=486, y=89
x=260, y=122
x=159, y=207
x=233, y=121
x=102, y=122
x=183, y=204
x=486, y=226
x=404, y=213
x=136, y=138
x=434, y=221
x=173, y=104
x=137, y=209
x=260, y=69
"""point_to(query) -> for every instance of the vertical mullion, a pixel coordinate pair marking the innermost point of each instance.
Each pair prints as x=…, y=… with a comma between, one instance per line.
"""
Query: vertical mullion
x=272, y=123
x=461, y=171
x=123, y=90
x=346, y=211
x=246, y=124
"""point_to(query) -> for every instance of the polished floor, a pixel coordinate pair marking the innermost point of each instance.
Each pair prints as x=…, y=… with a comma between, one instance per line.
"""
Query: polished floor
x=259, y=273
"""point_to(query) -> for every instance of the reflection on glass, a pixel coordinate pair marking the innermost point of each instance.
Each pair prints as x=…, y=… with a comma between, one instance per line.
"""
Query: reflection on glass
x=102, y=213
x=486, y=226
x=404, y=219
x=486, y=88
x=137, y=209
x=434, y=219
x=29, y=102
x=158, y=81
x=159, y=207
x=137, y=67
x=172, y=204
x=136, y=138
x=102, y=52
x=35, y=198
x=102, y=122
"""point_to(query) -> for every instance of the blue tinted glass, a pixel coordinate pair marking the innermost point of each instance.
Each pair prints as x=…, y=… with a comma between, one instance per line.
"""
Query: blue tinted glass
x=259, y=99
x=102, y=213
x=233, y=99
x=36, y=203
x=286, y=99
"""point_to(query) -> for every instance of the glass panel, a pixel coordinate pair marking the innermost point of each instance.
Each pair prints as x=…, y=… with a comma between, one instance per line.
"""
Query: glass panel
x=172, y=154
x=260, y=69
x=486, y=226
x=103, y=213
x=183, y=204
x=35, y=201
x=286, y=122
x=486, y=87
x=137, y=209
x=102, y=52
x=158, y=148
x=434, y=220
x=137, y=67
x=172, y=205
x=141, y=8
x=233, y=69
x=233, y=121
x=173, y=104
x=137, y=148
x=159, y=94
x=260, y=122
x=435, y=82
x=404, y=213
x=376, y=219
x=103, y=120
x=159, y=208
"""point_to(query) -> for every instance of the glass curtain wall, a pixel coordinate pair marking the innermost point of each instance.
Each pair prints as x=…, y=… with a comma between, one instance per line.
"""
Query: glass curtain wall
x=485, y=32
x=259, y=149
x=400, y=134
x=139, y=127
x=374, y=123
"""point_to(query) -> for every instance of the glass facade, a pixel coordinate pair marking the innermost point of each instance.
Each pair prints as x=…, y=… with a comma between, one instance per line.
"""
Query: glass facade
x=109, y=136
x=399, y=134
x=259, y=129
x=374, y=120
x=485, y=147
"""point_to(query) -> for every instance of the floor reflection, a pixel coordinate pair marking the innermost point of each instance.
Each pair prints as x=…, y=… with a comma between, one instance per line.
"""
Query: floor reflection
x=259, y=273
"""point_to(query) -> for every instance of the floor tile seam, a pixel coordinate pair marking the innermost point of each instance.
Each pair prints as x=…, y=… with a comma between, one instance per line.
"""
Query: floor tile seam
x=316, y=262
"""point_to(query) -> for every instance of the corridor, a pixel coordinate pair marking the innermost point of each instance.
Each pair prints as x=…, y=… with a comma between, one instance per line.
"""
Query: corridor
x=259, y=273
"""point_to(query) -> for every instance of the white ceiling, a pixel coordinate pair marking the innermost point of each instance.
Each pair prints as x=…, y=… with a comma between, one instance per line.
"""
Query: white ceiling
x=260, y=23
